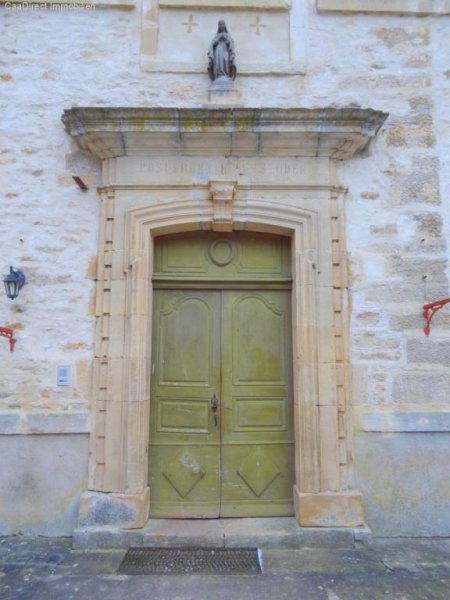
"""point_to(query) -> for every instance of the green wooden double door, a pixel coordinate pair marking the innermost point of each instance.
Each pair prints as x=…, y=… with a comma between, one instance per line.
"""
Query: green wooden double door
x=221, y=435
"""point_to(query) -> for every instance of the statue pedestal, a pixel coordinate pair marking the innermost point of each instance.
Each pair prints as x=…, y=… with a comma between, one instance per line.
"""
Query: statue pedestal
x=222, y=91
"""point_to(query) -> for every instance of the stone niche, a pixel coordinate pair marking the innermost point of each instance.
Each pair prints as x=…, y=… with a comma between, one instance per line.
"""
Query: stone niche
x=268, y=35
x=177, y=170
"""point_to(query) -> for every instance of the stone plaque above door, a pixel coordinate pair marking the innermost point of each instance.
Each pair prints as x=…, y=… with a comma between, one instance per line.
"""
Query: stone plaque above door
x=268, y=35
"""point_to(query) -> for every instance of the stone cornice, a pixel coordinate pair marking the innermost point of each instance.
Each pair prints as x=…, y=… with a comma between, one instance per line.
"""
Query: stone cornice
x=338, y=133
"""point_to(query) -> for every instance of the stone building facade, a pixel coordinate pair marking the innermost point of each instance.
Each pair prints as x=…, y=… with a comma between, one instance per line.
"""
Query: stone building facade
x=335, y=138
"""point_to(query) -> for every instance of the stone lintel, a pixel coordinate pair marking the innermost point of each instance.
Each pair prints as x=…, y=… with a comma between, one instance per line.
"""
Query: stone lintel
x=337, y=133
x=126, y=511
x=329, y=509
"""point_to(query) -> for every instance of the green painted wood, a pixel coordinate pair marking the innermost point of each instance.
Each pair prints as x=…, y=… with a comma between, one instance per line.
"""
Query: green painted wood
x=184, y=451
x=257, y=434
x=221, y=257
x=232, y=343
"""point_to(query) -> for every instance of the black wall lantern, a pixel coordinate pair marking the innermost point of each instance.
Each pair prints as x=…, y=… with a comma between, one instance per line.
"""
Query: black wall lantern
x=14, y=282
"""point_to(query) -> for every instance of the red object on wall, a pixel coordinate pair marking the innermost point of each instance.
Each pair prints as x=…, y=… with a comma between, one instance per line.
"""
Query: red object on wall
x=429, y=311
x=9, y=333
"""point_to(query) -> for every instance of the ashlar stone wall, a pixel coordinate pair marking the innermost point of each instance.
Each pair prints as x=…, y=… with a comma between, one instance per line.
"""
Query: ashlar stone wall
x=397, y=224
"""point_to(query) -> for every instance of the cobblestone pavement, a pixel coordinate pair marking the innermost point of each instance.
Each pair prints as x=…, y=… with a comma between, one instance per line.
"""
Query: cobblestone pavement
x=400, y=569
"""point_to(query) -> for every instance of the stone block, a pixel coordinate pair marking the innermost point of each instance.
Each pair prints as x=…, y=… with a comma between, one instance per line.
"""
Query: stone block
x=329, y=537
x=117, y=297
x=421, y=184
x=40, y=483
x=428, y=350
x=409, y=421
x=327, y=379
x=377, y=346
x=225, y=96
x=363, y=536
x=421, y=387
x=126, y=511
x=106, y=537
x=390, y=229
x=368, y=317
x=10, y=423
x=404, y=479
x=415, y=267
x=116, y=334
x=58, y=422
x=329, y=509
x=264, y=533
x=429, y=224
x=402, y=291
x=329, y=454
x=409, y=321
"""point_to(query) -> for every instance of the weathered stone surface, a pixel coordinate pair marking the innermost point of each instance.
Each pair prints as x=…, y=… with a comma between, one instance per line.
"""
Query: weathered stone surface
x=404, y=480
x=339, y=133
x=48, y=422
x=343, y=509
x=396, y=209
x=42, y=568
x=417, y=267
x=58, y=422
x=421, y=387
x=41, y=483
x=413, y=321
x=429, y=350
x=377, y=346
x=265, y=533
x=10, y=423
x=127, y=511
x=405, y=420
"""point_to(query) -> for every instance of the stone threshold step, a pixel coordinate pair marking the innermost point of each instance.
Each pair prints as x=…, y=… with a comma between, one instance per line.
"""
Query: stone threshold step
x=280, y=532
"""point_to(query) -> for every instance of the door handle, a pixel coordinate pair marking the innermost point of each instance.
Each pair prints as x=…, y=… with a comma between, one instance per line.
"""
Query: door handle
x=214, y=403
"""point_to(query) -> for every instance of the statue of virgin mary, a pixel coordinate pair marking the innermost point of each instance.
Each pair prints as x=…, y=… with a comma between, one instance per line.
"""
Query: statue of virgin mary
x=221, y=55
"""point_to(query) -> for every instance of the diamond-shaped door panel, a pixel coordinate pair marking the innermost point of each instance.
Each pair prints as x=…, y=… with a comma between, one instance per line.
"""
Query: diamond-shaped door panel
x=258, y=471
x=184, y=473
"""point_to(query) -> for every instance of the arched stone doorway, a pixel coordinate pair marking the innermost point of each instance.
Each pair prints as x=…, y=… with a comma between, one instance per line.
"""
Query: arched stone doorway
x=178, y=171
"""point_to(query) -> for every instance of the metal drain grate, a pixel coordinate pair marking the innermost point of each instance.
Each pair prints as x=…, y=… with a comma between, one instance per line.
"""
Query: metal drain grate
x=153, y=561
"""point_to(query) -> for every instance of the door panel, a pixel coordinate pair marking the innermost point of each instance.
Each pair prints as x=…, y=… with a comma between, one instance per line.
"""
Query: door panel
x=257, y=339
x=184, y=442
x=257, y=434
x=186, y=322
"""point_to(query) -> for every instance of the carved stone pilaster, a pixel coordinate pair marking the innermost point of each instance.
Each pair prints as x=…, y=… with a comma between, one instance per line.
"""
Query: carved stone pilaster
x=222, y=194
